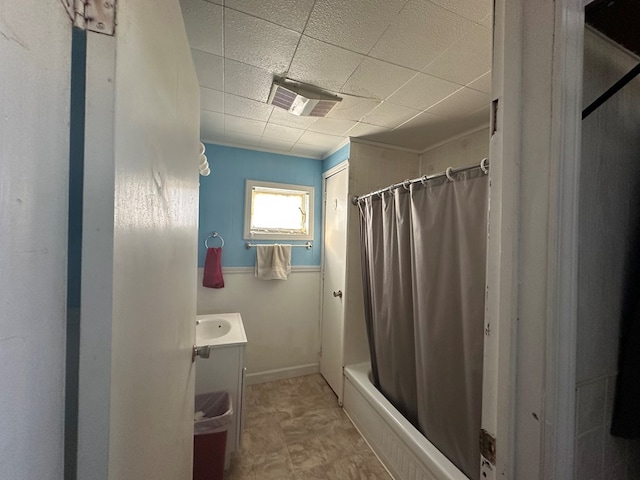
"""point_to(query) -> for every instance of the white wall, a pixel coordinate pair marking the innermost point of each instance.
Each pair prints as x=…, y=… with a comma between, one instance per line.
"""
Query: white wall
x=461, y=152
x=610, y=170
x=281, y=319
x=35, y=48
x=370, y=168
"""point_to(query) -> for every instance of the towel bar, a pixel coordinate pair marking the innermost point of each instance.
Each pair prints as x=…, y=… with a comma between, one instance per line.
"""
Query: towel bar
x=307, y=245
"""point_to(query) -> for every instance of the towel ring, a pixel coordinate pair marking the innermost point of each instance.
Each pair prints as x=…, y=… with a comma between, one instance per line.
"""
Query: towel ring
x=214, y=235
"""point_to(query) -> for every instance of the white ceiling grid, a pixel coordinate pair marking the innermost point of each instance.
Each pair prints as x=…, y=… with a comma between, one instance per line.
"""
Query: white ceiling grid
x=411, y=72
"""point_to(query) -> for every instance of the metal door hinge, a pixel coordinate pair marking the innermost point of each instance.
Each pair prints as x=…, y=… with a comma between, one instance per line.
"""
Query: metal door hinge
x=488, y=446
x=93, y=15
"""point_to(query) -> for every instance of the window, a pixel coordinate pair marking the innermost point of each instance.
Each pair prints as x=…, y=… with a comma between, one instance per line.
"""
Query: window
x=278, y=211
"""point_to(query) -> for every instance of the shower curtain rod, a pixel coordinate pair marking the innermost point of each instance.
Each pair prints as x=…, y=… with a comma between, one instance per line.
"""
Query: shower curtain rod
x=449, y=172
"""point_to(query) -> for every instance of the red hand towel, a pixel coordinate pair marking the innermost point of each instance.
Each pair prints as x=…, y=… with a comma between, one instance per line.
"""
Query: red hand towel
x=213, y=269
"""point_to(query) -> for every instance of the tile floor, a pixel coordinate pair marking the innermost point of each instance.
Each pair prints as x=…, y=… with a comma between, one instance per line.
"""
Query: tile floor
x=295, y=430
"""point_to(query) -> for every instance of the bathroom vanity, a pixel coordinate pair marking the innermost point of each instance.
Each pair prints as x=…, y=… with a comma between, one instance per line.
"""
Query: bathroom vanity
x=224, y=369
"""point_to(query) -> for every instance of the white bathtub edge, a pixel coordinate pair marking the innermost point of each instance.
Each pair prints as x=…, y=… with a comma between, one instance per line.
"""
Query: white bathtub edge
x=436, y=464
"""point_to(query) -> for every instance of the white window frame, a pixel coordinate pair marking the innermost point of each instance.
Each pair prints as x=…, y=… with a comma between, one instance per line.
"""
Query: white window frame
x=249, y=235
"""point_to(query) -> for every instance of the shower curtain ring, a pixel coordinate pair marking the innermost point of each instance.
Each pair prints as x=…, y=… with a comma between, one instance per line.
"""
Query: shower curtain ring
x=423, y=180
x=484, y=165
x=406, y=184
x=449, y=173
x=379, y=193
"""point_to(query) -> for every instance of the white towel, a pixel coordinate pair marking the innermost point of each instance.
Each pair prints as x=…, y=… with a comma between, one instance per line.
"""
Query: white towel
x=273, y=262
x=281, y=264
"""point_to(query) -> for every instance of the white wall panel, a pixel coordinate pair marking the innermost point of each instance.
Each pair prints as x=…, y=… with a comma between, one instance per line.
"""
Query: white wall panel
x=281, y=318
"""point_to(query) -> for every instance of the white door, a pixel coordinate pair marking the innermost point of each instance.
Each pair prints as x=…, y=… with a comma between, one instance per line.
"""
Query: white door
x=139, y=248
x=35, y=48
x=333, y=291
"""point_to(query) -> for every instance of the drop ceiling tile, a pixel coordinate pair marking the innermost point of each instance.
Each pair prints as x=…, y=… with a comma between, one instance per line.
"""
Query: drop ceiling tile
x=474, y=10
x=419, y=34
x=331, y=126
x=211, y=124
x=242, y=139
x=376, y=79
x=390, y=115
x=257, y=42
x=212, y=100
x=422, y=91
x=319, y=139
x=487, y=21
x=203, y=21
x=275, y=144
x=366, y=130
x=209, y=69
x=461, y=103
x=482, y=83
x=282, y=133
x=355, y=24
x=243, y=125
x=282, y=117
x=352, y=108
x=465, y=61
x=309, y=151
x=247, y=81
x=292, y=14
x=323, y=65
x=247, y=108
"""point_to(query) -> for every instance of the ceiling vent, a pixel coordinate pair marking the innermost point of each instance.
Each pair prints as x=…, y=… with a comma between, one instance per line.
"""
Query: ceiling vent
x=302, y=101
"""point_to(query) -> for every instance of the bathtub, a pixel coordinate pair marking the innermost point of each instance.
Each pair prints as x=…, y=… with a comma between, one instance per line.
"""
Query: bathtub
x=403, y=450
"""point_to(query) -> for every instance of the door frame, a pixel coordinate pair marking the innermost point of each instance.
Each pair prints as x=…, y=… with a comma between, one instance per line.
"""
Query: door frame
x=531, y=312
x=344, y=165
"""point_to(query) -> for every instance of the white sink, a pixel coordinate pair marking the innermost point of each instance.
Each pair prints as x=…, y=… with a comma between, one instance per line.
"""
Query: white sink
x=218, y=329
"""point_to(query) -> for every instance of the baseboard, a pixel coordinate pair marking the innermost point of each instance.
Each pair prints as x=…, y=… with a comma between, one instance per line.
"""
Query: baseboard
x=281, y=374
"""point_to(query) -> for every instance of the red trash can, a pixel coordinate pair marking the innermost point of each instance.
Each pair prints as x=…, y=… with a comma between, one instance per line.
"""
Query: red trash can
x=211, y=421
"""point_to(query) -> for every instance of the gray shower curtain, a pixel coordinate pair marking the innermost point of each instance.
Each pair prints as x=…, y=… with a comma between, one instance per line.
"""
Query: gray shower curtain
x=424, y=256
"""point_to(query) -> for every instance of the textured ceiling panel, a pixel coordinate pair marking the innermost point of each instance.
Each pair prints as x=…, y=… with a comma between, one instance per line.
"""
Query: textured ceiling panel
x=461, y=103
x=203, y=21
x=332, y=126
x=355, y=24
x=390, y=115
x=352, y=108
x=211, y=125
x=209, y=69
x=466, y=60
x=247, y=81
x=366, y=130
x=422, y=91
x=285, y=134
x=257, y=42
x=482, y=84
x=400, y=67
x=281, y=117
x=377, y=79
x=212, y=100
x=323, y=65
x=245, y=107
x=243, y=125
x=473, y=10
x=319, y=139
x=291, y=14
x=421, y=32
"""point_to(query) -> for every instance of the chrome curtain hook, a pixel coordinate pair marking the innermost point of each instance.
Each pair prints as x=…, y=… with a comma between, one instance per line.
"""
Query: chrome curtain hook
x=406, y=184
x=423, y=180
x=484, y=165
x=449, y=173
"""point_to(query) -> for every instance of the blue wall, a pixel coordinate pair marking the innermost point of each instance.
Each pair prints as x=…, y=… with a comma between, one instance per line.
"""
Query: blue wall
x=336, y=157
x=222, y=200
